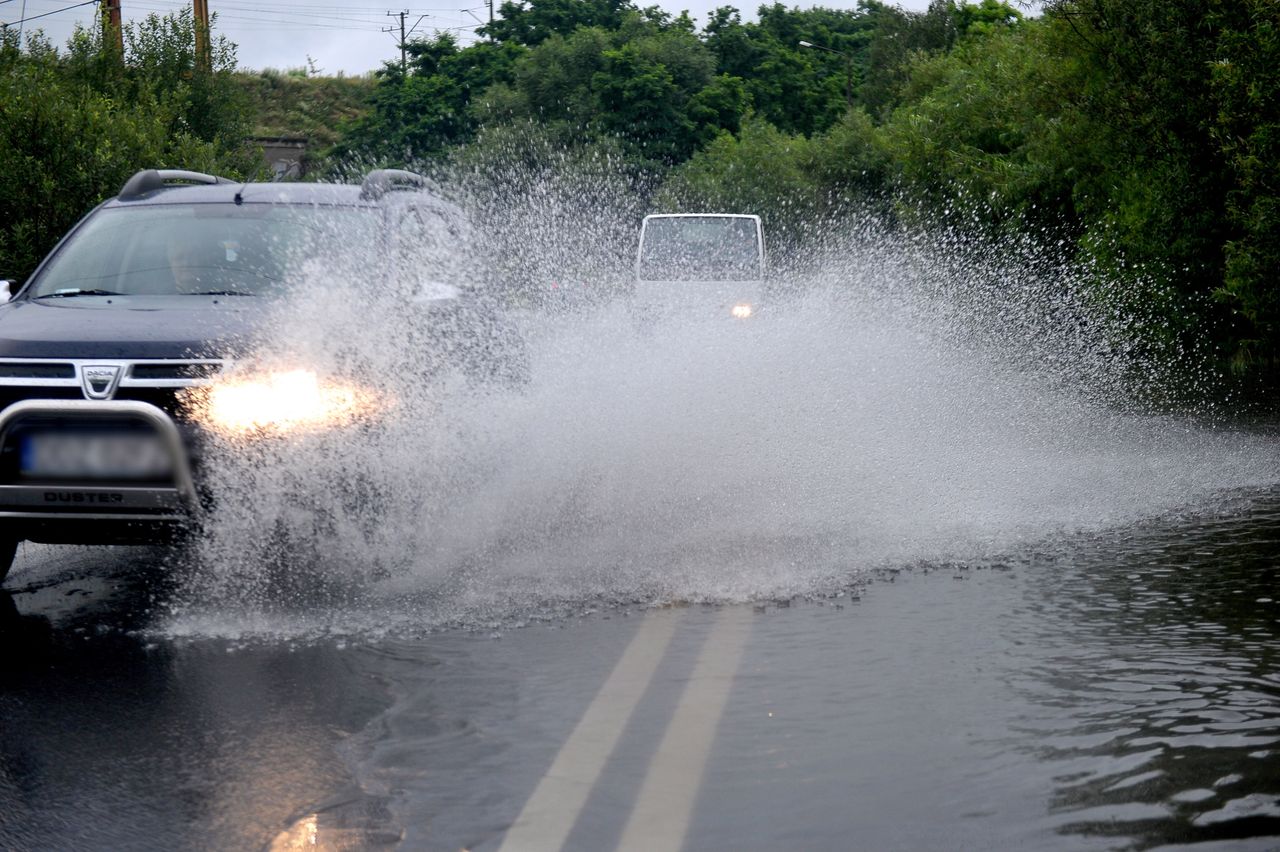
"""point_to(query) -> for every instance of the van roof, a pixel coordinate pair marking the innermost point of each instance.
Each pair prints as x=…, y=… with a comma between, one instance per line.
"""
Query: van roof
x=702, y=216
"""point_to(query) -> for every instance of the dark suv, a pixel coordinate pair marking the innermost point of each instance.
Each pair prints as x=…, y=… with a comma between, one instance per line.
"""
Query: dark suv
x=149, y=296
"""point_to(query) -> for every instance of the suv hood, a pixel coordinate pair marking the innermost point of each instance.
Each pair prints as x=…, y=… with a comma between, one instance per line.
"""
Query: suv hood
x=127, y=326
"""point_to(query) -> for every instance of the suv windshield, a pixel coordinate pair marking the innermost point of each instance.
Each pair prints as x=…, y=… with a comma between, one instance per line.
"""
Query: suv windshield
x=700, y=248
x=176, y=249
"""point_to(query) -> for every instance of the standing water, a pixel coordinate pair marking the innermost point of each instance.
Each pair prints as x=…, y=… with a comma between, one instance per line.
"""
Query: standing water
x=896, y=399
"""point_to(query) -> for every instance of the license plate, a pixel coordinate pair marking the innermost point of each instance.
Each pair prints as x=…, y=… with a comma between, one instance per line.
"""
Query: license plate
x=121, y=455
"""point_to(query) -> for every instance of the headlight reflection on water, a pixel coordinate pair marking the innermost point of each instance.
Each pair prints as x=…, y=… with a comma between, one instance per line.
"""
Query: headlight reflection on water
x=278, y=402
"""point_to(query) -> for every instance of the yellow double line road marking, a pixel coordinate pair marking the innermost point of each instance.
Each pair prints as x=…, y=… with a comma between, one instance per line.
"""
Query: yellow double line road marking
x=660, y=818
x=552, y=810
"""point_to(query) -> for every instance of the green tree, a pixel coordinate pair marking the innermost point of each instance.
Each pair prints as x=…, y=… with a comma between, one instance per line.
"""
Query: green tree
x=850, y=165
x=1178, y=101
x=531, y=22
x=988, y=130
x=1245, y=85
x=799, y=90
x=719, y=106
x=638, y=99
x=760, y=170
x=651, y=83
x=417, y=113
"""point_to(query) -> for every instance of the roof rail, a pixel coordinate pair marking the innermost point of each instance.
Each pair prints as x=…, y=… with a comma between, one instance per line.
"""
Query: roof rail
x=149, y=180
x=381, y=181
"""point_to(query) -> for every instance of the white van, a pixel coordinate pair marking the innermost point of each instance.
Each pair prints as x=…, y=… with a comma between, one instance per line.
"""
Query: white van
x=702, y=261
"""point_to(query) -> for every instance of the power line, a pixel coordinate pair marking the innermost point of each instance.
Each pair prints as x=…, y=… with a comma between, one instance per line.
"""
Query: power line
x=288, y=16
x=274, y=18
x=47, y=14
x=275, y=15
x=310, y=10
x=291, y=16
x=234, y=13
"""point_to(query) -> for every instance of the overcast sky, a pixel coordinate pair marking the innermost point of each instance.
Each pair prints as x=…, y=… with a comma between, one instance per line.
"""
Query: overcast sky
x=338, y=35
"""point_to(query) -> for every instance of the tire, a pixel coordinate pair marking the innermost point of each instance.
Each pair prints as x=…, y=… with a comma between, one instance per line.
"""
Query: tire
x=8, y=550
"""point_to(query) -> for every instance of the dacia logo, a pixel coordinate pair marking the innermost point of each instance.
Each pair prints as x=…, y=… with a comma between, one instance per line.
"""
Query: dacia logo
x=99, y=382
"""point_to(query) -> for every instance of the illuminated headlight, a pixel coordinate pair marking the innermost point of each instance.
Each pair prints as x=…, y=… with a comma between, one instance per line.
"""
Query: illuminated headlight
x=741, y=311
x=280, y=402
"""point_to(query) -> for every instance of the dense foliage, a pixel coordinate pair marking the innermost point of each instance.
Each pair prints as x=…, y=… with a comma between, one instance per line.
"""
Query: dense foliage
x=609, y=68
x=76, y=123
x=1138, y=138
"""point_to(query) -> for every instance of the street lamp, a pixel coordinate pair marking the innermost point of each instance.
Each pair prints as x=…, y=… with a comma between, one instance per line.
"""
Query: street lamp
x=848, y=69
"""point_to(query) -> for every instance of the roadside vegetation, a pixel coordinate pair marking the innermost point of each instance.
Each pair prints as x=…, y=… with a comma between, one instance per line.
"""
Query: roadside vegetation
x=301, y=102
x=1137, y=139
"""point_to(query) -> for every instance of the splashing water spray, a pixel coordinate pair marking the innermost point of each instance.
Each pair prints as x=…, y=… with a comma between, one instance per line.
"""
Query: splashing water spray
x=907, y=397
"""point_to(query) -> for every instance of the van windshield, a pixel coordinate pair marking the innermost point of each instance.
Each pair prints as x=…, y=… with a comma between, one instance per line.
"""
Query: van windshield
x=193, y=249
x=700, y=248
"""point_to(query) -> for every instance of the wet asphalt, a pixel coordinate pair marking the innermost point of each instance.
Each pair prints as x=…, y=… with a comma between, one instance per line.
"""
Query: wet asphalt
x=1111, y=691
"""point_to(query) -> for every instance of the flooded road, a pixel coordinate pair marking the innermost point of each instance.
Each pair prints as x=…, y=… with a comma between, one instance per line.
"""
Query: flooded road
x=1109, y=690
x=883, y=572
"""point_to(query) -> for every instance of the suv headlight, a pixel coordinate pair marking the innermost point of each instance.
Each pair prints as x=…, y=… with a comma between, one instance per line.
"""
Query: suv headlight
x=277, y=402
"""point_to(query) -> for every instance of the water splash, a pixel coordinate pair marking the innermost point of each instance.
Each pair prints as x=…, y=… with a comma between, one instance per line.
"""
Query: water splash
x=904, y=397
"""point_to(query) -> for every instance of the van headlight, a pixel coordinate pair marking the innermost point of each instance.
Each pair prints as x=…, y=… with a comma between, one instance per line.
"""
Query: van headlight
x=278, y=402
x=741, y=311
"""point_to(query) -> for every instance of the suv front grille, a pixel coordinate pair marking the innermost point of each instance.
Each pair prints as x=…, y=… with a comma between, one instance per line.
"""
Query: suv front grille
x=158, y=382
x=152, y=372
x=37, y=371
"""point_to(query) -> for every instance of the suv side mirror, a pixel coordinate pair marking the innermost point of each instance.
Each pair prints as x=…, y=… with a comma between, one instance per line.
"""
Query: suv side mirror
x=6, y=290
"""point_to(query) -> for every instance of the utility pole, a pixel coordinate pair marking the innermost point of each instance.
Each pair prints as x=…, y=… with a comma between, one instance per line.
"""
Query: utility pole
x=204, y=59
x=113, y=31
x=404, y=59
